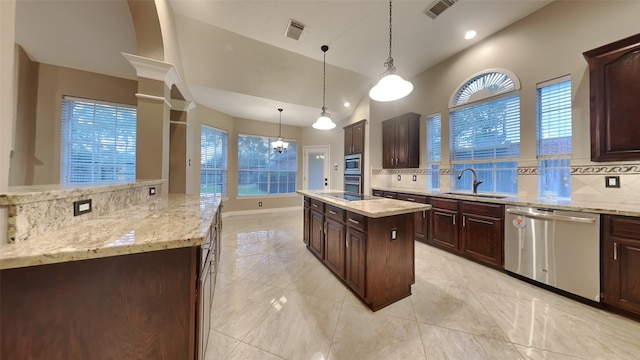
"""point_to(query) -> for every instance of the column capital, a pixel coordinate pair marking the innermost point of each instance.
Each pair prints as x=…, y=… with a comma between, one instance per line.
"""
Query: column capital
x=154, y=69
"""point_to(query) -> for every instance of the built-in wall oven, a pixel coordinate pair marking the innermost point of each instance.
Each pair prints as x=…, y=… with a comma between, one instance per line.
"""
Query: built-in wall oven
x=353, y=184
x=353, y=164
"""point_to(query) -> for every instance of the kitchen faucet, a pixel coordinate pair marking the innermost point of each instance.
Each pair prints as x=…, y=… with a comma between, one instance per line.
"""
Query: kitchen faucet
x=475, y=179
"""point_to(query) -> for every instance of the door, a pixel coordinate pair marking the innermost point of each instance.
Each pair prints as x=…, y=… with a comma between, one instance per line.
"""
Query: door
x=316, y=165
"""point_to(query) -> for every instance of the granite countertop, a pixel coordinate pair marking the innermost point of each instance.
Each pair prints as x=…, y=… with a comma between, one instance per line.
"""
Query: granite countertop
x=628, y=209
x=373, y=208
x=31, y=193
x=168, y=222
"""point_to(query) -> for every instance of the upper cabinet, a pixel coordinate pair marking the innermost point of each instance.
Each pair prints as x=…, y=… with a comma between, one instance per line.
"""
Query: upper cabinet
x=401, y=142
x=354, y=138
x=614, y=82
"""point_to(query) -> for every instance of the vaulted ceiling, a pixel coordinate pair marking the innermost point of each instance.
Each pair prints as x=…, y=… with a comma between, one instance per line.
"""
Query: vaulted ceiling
x=237, y=59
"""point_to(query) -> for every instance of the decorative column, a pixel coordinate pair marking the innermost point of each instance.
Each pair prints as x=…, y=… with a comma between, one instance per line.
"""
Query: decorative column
x=155, y=79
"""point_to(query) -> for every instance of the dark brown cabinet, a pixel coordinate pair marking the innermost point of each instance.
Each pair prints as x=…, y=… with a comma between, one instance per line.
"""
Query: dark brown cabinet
x=614, y=89
x=421, y=218
x=401, y=142
x=316, y=229
x=621, y=263
x=306, y=218
x=354, y=138
x=482, y=236
x=444, y=225
x=355, y=260
x=335, y=240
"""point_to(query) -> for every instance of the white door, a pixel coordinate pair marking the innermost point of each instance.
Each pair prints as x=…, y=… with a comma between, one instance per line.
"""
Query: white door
x=316, y=166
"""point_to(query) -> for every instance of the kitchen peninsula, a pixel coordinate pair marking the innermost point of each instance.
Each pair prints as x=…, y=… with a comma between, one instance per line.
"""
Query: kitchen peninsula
x=366, y=242
x=134, y=283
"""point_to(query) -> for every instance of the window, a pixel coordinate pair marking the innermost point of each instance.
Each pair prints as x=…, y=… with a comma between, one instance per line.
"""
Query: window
x=213, y=161
x=434, y=151
x=98, y=141
x=554, y=139
x=485, y=132
x=263, y=171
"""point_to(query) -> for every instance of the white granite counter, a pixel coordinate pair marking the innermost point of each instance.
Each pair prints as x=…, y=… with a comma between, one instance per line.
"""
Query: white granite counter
x=373, y=208
x=167, y=222
x=571, y=205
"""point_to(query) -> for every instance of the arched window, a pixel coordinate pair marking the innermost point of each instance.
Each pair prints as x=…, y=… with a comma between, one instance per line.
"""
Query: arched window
x=484, y=123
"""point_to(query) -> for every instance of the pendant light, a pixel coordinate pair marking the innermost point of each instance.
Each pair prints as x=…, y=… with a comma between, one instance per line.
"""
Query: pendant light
x=391, y=86
x=324, y=121
x=280, y=146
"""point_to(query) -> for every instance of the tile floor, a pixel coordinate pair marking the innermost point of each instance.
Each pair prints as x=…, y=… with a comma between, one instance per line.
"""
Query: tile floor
x=274, y=300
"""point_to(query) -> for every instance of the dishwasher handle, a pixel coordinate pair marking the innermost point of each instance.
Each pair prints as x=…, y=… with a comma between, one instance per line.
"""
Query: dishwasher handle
x=544, y=216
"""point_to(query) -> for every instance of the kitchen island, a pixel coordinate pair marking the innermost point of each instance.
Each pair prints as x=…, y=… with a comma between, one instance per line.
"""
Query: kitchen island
x=131, y=284
x=367, y=242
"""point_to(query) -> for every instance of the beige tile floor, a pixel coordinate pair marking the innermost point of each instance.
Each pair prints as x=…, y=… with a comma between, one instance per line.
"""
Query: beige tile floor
x=274, y=300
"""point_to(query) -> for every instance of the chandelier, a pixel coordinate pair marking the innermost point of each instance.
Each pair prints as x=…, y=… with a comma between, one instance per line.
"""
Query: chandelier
x=280, y=146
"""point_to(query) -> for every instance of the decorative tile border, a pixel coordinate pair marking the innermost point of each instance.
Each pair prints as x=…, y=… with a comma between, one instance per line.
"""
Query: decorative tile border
x=400, y=172
x=528, y=170
x=445, y=171
x=605, y=169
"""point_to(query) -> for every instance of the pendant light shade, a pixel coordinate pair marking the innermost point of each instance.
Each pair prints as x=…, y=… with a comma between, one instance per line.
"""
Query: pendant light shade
x=391, y=86
x=280, y=145
x=324, y=121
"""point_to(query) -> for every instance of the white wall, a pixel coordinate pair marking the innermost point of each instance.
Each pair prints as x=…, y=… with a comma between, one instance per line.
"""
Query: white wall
x=7, y=94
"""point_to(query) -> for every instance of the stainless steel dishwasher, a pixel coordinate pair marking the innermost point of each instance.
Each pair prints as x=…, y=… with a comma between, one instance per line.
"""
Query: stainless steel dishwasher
x=557, y=248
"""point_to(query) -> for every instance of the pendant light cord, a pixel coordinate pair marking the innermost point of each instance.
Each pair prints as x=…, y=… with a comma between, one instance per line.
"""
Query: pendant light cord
x=280, y=129
x=390, y=29
x=389, y=63
x=324, y=75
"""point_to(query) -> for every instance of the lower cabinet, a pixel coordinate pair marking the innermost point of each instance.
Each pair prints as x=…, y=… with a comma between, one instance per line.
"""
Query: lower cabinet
x=335, y=246
x=444, y=228
x=621, y=263
x=306, y=218
x=421, y=218
x=482, y=236
x=355, y=260
x=316, y=234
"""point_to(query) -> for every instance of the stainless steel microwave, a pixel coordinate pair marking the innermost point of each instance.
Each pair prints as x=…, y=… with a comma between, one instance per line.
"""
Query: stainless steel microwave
x=353, y=164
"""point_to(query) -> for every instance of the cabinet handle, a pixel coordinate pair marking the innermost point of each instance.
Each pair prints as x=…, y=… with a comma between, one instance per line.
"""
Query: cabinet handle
x=424, y=213
x=332, y=212
x=354, y=221
x=346, y=243
x=464, y=221
x=411, y=199
x=615, y=251
x=314, y=205
x=454, y=219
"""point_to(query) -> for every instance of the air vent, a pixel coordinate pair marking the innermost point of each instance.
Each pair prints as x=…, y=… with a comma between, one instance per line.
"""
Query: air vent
x=437, y=7
x=294, y=29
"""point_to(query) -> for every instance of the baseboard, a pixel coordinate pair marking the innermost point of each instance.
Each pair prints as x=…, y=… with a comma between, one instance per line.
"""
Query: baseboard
x=259, y=211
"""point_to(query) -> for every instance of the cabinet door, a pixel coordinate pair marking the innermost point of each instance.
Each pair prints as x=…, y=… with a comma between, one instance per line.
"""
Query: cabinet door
x=621, y=262
x=388, y=144
x=614, y=74
x=306, y=230
x=421, y=225
x=482, y=239
x=334, y=246
x=402, y=142
x=358, y=138
x=316, y=237
x=356, y=261
x=348, y=141
x=444, y=229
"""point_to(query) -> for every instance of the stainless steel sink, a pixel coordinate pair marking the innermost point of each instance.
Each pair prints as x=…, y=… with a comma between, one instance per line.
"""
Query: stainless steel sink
x=486, y=196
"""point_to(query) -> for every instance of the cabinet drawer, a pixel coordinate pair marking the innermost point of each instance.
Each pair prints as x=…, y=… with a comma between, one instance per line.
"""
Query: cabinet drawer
x=357, y=221
x=441, y=203
x=413, y=198
x=390, y=195
x=334, y=213
x=377, y=193
x=317, y=205
x=623, y=226
x=493, y=210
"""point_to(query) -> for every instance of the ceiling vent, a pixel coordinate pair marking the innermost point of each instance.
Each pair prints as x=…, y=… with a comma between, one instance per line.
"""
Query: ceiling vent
x=437, y=7
x=294, y=29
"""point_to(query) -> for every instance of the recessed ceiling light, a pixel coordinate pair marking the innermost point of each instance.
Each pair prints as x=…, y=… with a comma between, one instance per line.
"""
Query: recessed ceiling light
x=346, y=104
x=470, y=34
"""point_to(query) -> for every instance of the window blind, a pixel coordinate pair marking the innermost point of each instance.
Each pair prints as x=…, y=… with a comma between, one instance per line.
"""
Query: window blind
x=554, y=119
x=98, y=141
x=434, y=151
x=485, y=131
x=263, y=171
x=213, y=160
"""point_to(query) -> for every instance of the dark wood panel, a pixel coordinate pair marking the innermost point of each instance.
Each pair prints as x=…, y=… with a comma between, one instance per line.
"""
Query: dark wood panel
x=390, y=195
x=376, y=192
x=486, y=209
x=316, y=205
x=334, y=212
x=442, y=203
x=123, y=307
x=482, y=239
x=621, y=263
x=444, y=229
x=357, y=221
x=348, y=140
x=358, y=137
x=316, y=236
x=335, y=246
x=388, y=145
x=355, y=261
x=306, y=229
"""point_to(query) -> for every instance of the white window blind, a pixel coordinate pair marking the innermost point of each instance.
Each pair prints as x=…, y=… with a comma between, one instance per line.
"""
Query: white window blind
x=213, y=161
x=98, y=141
x=434, y=151
x=554, y=142
x=263, y=171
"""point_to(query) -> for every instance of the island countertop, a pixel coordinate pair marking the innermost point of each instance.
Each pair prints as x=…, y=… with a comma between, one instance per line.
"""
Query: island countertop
x=372, y=207
x=168, y=222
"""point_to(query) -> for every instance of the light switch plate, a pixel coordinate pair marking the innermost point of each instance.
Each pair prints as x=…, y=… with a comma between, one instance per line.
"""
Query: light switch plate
x=152, y=190
x=612, y=181
x=399, y=177
x=81, y=207
x=415, y=178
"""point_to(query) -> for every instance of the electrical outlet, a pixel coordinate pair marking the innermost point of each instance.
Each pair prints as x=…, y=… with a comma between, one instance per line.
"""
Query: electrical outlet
x=612, y=181
x=415, y=178
x=259, y=203
x=152, y=190
x=394, y=233
x=399, y=177
x=81, y=207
